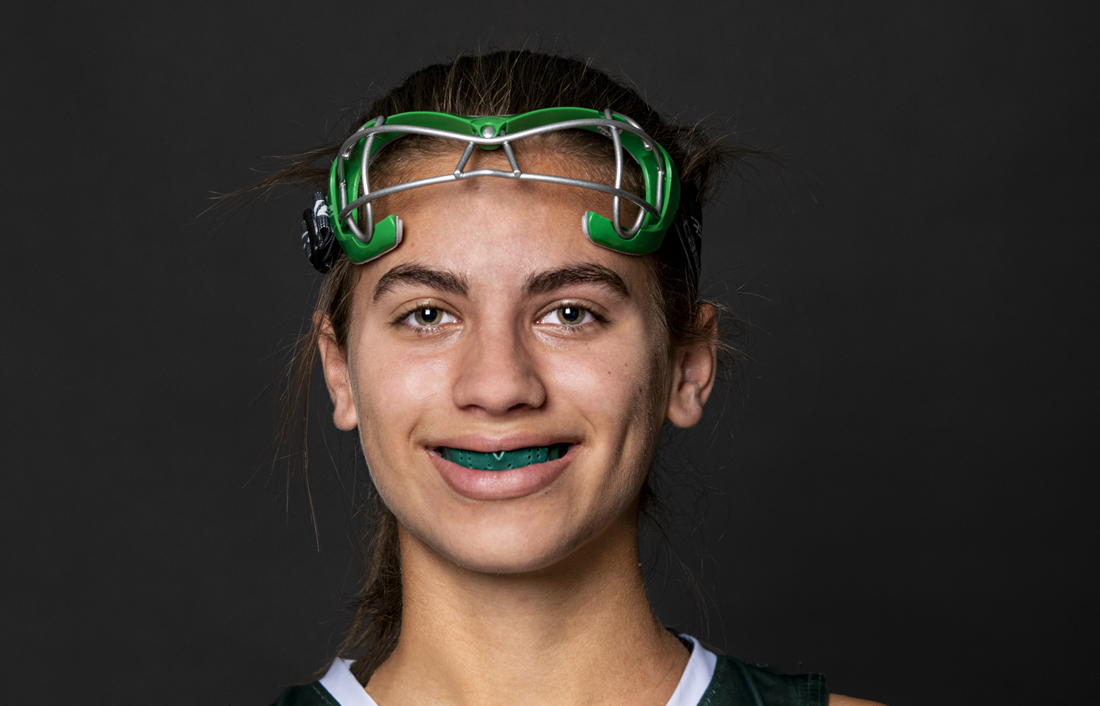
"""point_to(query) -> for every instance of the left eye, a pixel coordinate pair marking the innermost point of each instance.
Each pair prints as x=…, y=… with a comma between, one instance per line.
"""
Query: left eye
x=568, y=315
x=429, y=316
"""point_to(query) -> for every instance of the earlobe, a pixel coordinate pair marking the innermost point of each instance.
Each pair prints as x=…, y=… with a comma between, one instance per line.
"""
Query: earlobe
x=693, y=373
x=334, y=366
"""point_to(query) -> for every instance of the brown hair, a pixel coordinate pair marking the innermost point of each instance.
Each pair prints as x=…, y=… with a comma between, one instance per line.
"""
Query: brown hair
x=498, y=83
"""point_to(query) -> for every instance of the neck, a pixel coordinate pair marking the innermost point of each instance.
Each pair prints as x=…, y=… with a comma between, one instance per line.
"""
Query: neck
x=579, y=631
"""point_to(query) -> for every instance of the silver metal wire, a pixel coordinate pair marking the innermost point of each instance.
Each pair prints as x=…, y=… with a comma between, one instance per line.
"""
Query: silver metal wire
x=465, y=158
x=616, y=218
x=615, y=127
x=512, y=159
x=364, y=184
x=616, y=202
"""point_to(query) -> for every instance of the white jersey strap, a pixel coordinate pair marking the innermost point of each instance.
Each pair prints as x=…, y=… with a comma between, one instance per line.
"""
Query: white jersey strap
x=696, y=677
x=345, y=688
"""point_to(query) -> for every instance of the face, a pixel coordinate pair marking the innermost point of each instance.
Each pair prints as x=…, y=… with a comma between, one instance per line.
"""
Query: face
x=497, y=335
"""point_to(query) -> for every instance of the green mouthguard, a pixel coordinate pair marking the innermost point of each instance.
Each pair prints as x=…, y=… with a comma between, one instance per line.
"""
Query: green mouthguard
x=504, y=460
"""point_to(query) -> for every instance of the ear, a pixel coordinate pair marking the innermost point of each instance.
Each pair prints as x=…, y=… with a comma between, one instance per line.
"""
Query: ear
x=693, y=371
x=334, y=366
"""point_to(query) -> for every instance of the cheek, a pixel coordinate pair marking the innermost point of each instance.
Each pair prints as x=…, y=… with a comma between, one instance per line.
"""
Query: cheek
x=605, y=387
x=394, y=390
x=618, y=387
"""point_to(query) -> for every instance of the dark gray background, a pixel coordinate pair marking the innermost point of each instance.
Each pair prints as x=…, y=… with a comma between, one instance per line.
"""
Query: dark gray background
x=901, y=496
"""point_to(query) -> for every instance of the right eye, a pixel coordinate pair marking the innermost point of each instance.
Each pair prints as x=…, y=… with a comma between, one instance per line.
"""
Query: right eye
x=427, y=316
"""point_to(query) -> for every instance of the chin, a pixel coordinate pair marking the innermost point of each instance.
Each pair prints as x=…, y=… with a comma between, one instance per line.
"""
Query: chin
x=503, y=548
x=506, y=561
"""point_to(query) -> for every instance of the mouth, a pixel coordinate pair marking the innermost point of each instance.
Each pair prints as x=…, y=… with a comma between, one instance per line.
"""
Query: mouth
x=504, y=460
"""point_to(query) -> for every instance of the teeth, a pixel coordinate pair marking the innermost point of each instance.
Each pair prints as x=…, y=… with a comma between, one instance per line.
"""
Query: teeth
x=504, y=460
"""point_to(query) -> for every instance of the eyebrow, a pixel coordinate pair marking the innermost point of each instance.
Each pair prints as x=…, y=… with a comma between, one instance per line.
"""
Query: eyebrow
x=411, y=274
x=584, y=273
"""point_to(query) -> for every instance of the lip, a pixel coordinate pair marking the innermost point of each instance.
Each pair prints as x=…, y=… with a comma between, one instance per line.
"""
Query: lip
x=499, y=485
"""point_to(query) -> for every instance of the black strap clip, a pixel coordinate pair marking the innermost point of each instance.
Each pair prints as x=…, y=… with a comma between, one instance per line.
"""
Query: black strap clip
x=318, y=237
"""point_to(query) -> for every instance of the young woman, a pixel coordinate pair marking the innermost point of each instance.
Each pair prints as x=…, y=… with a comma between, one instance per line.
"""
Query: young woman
x=509, y=316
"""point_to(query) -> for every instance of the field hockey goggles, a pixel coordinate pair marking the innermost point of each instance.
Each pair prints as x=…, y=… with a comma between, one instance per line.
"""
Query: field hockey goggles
x=346, y=216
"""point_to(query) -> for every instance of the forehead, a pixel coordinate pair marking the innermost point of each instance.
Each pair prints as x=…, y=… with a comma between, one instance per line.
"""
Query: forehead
x=497, y=230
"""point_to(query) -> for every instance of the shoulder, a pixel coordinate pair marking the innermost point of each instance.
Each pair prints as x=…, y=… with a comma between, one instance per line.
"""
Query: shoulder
x=838, y=700
x=736, y=682
x=312, y=694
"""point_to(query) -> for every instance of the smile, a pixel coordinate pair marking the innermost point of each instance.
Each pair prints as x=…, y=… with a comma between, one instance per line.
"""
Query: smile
x=504, y=460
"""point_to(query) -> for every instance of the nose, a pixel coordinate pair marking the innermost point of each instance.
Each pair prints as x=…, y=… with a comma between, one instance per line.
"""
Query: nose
x=496, y=372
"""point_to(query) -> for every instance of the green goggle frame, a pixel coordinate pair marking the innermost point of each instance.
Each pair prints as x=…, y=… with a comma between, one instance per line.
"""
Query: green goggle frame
x=349, y=184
